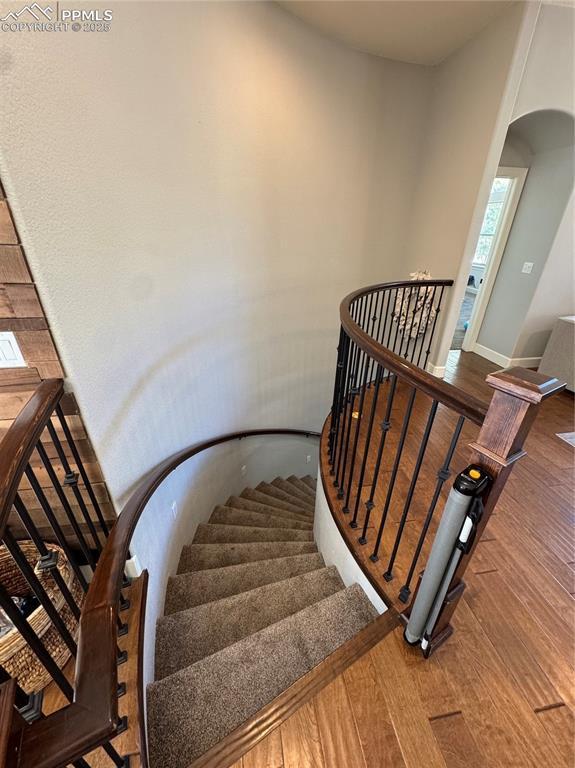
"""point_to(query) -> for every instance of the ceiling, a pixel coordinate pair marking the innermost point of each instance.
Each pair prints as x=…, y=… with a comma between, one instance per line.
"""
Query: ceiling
x=414, y=31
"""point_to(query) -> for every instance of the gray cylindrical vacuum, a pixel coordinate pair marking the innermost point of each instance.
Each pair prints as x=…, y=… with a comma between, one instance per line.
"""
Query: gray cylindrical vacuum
x=455, y=526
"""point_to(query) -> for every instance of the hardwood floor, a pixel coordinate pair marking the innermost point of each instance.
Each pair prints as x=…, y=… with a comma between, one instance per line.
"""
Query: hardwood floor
x=500, y=692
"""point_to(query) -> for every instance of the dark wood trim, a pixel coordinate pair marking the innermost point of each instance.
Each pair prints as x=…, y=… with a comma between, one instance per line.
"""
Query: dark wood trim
x=462, y=402
x=22, y=436
x=246, y=736
x=7, y=695
x=92, y=719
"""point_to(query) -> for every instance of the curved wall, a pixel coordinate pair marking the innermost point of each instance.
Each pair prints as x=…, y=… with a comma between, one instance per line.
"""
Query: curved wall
x=335, y=551
x=196, y=190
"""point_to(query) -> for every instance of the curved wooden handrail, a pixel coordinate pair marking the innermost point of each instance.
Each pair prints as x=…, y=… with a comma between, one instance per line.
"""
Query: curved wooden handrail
x=465, y=404
x=21, y=438
x=91, y=720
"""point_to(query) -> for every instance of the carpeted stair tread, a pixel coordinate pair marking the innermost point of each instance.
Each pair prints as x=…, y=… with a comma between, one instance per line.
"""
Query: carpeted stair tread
x=196, y=707
x=188, y=636
x=304, y=487
x=199, y=557
x=296, y=493
x=198, y=587
x=286, y=496
x=272, y=501
x=311, y=482
x=230, y=516
x=242, y=502
x=210, y=533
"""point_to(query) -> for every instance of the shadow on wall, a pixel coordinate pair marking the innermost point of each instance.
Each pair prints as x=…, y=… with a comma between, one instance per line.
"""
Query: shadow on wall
x=542, y=141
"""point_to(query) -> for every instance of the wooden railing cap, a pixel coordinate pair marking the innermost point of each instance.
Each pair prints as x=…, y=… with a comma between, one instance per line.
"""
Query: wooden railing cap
x=525, y=384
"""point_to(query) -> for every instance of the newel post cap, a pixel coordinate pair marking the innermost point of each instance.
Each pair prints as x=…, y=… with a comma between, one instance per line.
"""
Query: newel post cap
x=525, y=384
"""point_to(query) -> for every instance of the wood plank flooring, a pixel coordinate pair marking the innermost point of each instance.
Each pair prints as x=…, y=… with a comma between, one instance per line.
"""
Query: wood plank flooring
x=500, y=693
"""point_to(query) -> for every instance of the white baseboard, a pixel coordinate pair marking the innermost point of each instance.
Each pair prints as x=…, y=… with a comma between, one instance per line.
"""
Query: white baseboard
x=436, y=370
x=503, y=360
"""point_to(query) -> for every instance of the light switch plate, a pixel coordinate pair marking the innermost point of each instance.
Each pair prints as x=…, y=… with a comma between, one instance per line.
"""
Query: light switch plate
x=527, y=268
x=10, y=354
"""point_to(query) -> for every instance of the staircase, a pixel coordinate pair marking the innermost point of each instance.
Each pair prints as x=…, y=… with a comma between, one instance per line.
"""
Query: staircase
x=251, y=610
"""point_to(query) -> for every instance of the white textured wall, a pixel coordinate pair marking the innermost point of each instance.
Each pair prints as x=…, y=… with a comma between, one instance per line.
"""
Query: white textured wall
x=335, y=550
x=196, y=190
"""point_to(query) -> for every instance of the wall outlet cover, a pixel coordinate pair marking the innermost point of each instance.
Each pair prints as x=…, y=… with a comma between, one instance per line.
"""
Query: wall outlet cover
x=527, y=268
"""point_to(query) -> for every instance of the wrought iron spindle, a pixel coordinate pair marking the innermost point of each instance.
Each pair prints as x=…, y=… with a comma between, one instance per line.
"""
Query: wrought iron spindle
x=398, y=315
x=342, y=372
x=81, y=469
x=437, y=311
x=49, y=558
x=378, y=380
x=422, y=335
x=32, y=639
x=406, y=331
x=36, y=586
x=345, y=508
x=44, y=503
x=442, y=475
x=115, y=757
x=375, y=332
x=385, y=427
x=354, y=391
x=335, y=390
x=374, y=557
x=388, y=575
x=65, y=505
x=391, y=303
x=71, y=479
x=413, y=332
x=343, y=416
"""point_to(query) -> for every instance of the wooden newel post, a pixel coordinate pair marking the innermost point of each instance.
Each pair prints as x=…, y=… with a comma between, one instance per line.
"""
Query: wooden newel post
x=512, y=411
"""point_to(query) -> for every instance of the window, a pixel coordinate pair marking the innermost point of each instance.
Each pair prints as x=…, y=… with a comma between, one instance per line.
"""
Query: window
x=492, y=220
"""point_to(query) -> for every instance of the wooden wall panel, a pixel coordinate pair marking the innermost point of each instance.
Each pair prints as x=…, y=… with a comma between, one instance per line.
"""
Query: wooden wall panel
x=21, y=312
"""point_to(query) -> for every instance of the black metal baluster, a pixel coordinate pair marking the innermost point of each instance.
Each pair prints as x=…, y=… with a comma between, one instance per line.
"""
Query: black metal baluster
x=424, y=334
x=442, y=476
x=48, y=557
x=44, y=503
x=32, y=639
x=388, y=575
x=342, y=372
x=399, y=318
x=345, y=508
x=437, y=311
x=65, y=504
x=353, y=393
x=81, y=470
x=406, y=331
x=341, y=434
x=414, y=315
x=378, y=380
x=391, y=314
x=36, y=587
x=372, y=317
x=71, y=480
x=115, y=757
x=374, y=557
x=335, y=392
x=385, y=427
x=375, y=336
